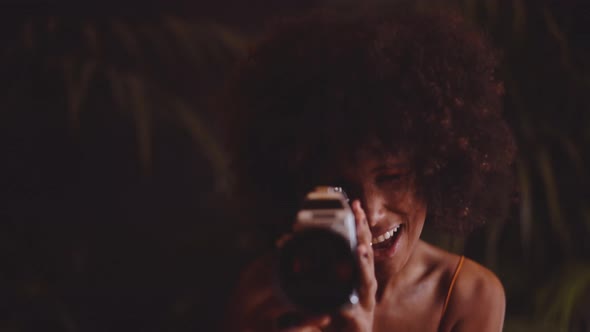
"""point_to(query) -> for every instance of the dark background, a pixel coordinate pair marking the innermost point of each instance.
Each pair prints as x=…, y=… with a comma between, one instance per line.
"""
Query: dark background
x=114, y=204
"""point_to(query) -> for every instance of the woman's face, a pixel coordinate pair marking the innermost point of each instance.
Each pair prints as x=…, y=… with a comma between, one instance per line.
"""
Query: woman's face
x=385, y=186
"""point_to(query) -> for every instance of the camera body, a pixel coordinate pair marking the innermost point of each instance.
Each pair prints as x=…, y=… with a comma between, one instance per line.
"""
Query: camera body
x=327, y=207
x=318, y=267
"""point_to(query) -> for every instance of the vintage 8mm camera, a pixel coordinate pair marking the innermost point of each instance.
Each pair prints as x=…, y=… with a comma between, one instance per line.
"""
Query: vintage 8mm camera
x=318, y=268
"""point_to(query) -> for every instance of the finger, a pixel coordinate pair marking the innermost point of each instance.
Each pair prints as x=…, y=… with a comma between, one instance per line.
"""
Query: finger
x=304, y=329
x=368, y=283
x=362, y=225
x=320, y=321
x=298, y=323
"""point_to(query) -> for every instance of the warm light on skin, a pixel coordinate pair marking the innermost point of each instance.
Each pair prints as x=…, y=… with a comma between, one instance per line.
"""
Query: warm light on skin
x=385, y=186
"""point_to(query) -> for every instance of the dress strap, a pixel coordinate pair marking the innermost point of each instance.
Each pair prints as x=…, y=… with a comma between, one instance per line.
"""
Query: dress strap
x=450, y=291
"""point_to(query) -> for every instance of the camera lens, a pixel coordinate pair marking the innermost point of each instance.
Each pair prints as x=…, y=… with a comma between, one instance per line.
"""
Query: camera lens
x=318, y=271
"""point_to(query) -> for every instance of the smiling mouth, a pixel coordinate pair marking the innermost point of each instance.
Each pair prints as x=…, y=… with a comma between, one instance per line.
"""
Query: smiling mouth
x=388, y=239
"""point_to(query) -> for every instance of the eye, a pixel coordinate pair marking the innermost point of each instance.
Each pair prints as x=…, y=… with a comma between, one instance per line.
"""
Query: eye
x=391, y=178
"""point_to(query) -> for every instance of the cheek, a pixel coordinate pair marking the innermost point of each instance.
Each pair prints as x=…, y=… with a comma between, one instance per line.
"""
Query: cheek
x=419, y=218
x=407, y=201
x=417, y=215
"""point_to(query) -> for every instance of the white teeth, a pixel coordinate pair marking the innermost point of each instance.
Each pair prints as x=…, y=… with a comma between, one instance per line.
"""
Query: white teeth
x=386, y=235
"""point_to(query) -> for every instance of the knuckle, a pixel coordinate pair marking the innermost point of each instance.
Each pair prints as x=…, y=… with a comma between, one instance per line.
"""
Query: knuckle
x=371, y=290
x=373, y=285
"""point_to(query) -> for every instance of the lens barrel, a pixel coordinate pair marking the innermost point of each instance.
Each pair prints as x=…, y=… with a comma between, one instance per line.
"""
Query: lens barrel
x=318, y=271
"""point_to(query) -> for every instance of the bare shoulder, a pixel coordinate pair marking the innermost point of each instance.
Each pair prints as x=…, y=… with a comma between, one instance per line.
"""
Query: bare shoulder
x=477, y=302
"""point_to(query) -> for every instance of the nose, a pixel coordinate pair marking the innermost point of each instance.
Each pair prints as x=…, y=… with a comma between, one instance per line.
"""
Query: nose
x=373, y=202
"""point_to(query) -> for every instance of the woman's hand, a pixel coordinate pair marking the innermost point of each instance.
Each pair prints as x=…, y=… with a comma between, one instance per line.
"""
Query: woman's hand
x=359, y=318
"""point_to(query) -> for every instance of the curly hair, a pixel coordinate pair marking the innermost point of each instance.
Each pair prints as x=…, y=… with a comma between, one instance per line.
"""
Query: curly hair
x=420, y=82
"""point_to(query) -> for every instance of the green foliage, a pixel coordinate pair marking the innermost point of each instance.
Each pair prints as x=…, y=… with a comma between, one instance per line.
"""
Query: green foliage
x=556, y=301
x=94, y=220
x=546, y=74
x=151, y=68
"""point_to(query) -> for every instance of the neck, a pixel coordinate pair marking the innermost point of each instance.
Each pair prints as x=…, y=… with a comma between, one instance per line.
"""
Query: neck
x=390, y=277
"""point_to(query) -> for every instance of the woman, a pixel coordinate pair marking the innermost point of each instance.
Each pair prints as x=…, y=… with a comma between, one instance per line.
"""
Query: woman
x=403, y=111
